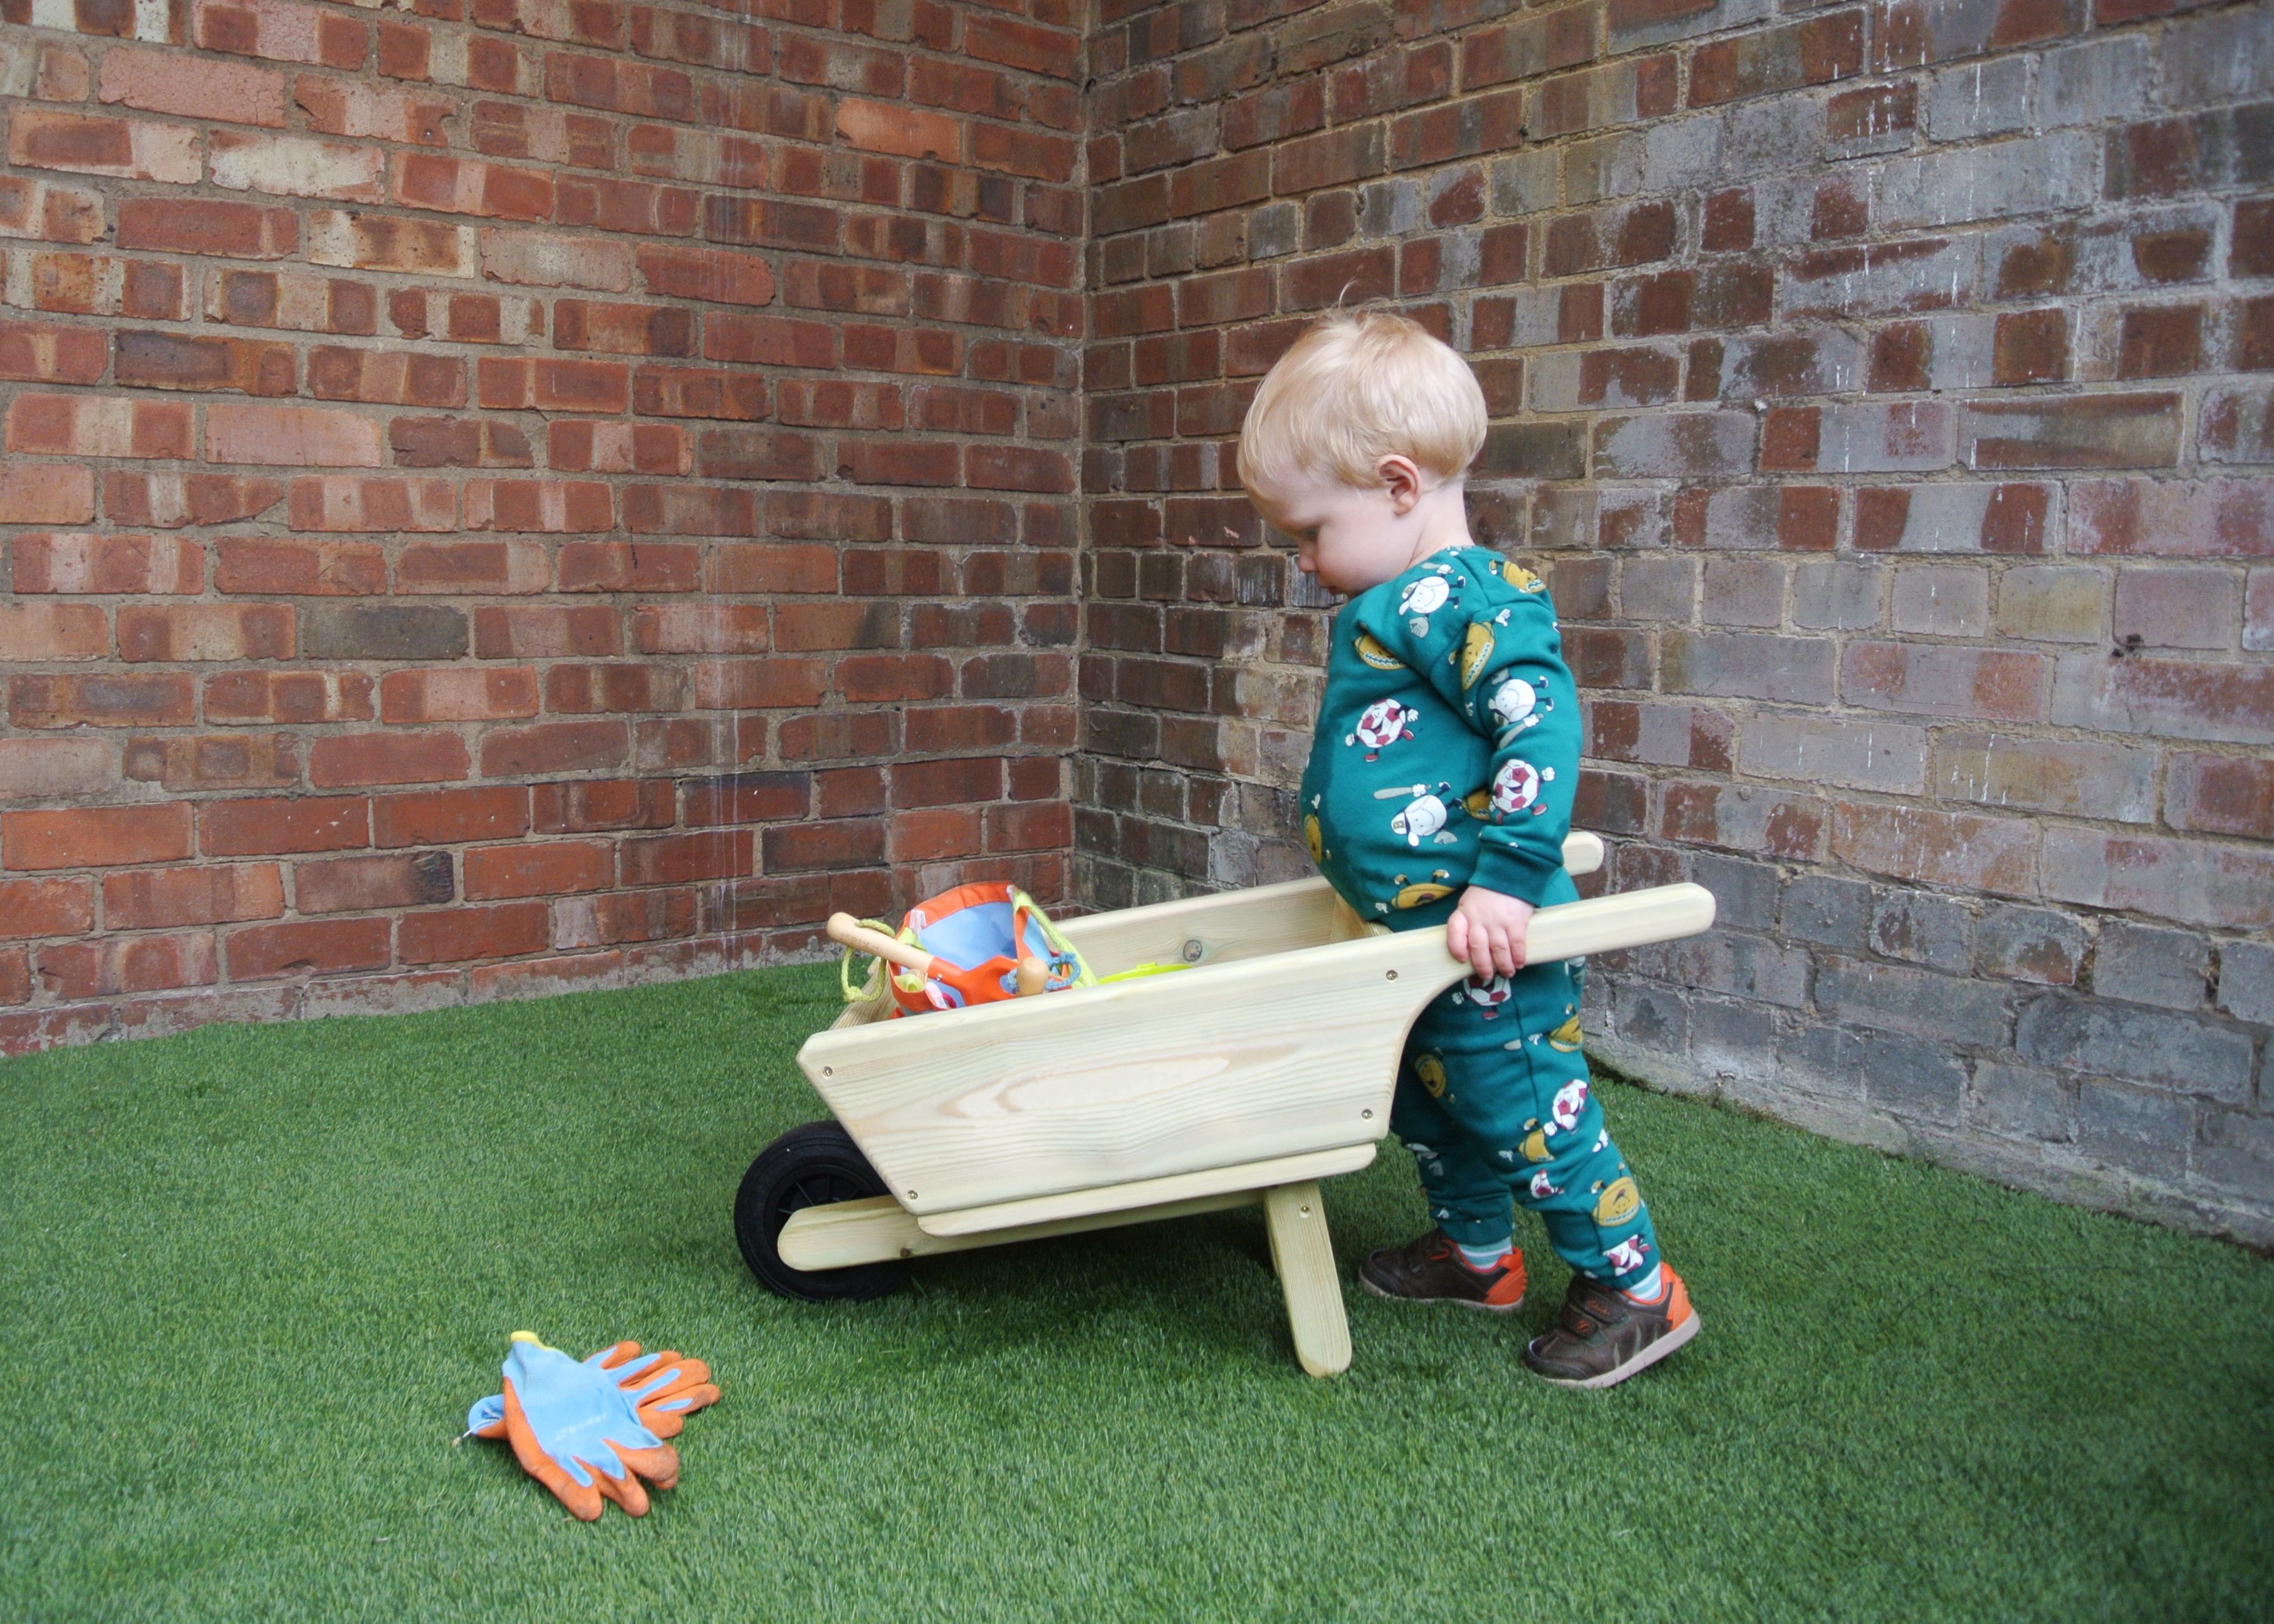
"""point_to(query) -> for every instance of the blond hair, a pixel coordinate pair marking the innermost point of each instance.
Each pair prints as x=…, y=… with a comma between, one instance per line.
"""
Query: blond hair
x=1357, y=388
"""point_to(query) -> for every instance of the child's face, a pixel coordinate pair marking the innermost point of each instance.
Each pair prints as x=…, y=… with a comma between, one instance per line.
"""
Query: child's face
x=1351, y=537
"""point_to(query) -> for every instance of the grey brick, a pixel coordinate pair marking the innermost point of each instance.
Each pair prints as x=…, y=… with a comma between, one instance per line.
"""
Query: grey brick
x=1835, y=595
x=2023, y=1102
x=1746, y=894
x=1663, y=590
x=1886, y=279
x=1915, y=1001
x=2052, y=603
x=2131, y=1129
x=1525, y=183
x=2145, y=697
x=1535, y=450
x=1652, y=26
x=1823, y=1059
x=2237, y=1151
x=1886, y=756
x=1961, y=352
x=1651, y=1017
x=1912, y=1077
x=2097, y=258
x=1942, y=600
x=1829, y=912
x=2238, y=424
x=1746, y=966
x=1979, y=99
x=2029, y=945
x=1772, y=133
x=1873, y=437
x=1988, y=182
x=2094, y=82
x=2228, y=56
x=1389, y=208
x=1797, y=361
x=1743, y=591
x=2139, y=1046
x=2083, y=778
x=2141, y=963
x=1275, y=229
x=1610, y=166
x=1923, y=929
x=1729, y=1037
x=2246, y=982
x=1674, y=444
x=1748, y=666
x=382, y=631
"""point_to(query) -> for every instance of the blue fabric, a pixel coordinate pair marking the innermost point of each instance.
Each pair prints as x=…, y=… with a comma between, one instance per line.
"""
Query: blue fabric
x=579, y=1413
x=970, y=936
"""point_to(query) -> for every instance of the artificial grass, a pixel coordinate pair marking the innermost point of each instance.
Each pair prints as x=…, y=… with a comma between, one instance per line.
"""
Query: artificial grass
x=253, y=1276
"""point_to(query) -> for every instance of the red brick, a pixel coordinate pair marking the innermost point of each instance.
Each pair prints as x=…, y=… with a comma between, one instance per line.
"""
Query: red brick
x=603, y=804
x=528, y=633
x=170, y=500
x=102, y=700
x=213, y=894
x=51, y=769
x=49, y=632
x=299, y=568
x=1937, y=848
x=362, y=884
x=234, y=632
x=40, y=353
x=2221, y=794
x=128, y=964
x=547, y=868
x=262, y=827
x=128, y=149
x=554, y=746
x=46, y=908
x=95, y=836
x=451, y=816
x=164, y=81
x=294, y=696
x=345, y=760
x=305, y=947
x=232, y=231
x=46, y=493
x=664, y=860
x=85, y=426
x=215, y=760
x=457, y=695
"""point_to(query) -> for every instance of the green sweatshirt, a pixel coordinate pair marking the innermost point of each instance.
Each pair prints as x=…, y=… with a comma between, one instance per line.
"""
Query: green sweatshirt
x=1447, y=745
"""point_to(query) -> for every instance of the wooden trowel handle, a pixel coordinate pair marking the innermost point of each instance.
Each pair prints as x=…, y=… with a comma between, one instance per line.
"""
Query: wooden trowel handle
x=850, y=931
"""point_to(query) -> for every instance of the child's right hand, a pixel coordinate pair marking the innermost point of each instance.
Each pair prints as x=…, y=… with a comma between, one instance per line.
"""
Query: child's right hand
x=1487, y=929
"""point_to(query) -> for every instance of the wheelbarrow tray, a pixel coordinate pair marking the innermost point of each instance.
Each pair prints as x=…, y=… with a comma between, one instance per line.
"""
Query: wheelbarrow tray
x=1272, y=1058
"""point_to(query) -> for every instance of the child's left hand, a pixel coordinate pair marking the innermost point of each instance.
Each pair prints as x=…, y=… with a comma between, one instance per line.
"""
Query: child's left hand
x=1487, y=929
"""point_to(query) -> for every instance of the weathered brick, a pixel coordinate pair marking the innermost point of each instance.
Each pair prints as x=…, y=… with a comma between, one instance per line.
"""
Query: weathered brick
x=2173, y=1052
x=2190, y=882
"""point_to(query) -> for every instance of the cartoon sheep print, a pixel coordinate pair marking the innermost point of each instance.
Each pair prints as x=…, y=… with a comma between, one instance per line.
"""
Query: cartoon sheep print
x=1451, y=761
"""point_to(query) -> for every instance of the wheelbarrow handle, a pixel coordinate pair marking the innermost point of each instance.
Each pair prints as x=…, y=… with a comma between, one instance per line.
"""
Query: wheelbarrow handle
x=850, y=931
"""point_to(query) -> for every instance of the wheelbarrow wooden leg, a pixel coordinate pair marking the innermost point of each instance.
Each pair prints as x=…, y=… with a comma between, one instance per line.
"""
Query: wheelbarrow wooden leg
x=1296, y=1219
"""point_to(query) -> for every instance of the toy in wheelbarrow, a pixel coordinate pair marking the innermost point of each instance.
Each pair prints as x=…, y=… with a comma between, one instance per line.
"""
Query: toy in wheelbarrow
x=1263, y=1065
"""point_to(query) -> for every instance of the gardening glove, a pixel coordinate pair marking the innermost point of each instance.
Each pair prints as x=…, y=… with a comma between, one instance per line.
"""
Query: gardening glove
x=593, y=1429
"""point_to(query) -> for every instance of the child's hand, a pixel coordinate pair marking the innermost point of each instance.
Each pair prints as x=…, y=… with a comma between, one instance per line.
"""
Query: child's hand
x=1487, y=929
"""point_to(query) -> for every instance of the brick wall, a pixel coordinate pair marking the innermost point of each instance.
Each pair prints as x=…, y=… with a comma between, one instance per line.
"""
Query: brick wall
x=505, y=495
x=1886, y=389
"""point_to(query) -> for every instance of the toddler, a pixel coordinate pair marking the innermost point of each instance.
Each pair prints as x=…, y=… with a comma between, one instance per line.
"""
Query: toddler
x=1438, y=796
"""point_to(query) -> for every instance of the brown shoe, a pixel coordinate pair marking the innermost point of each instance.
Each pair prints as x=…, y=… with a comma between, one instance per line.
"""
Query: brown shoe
x=1431, y=1269
x=1603, y=1336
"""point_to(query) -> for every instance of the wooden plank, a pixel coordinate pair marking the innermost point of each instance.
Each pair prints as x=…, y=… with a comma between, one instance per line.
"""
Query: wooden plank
x=1295, y=1215
x=1224, y=927
x=1148, y=1191
x=845, y=1233
x=1241, y=1061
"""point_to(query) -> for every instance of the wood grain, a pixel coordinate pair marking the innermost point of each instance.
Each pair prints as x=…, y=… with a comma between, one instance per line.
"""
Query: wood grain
x=1246, y=1058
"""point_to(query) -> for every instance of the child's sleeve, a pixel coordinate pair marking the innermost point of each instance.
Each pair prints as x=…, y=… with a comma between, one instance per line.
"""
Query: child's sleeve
x=1497, y=659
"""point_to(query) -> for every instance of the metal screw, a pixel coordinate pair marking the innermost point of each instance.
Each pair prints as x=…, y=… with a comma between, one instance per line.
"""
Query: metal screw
x=1389, y=975
x=1193, y=950
x=1367, y=1114
x=829, y=1071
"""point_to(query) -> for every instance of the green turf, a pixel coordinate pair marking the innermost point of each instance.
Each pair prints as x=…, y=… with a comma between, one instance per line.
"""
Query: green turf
x=252, y=1278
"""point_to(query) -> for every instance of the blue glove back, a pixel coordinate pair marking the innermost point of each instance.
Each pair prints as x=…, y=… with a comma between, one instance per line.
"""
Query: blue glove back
x=577, y=1413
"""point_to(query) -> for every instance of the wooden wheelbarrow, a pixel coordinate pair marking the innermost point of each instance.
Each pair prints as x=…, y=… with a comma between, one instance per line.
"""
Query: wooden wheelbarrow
x=1264, y=1066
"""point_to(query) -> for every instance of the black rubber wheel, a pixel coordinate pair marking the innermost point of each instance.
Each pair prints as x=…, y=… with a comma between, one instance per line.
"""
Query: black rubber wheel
x=808, y=1167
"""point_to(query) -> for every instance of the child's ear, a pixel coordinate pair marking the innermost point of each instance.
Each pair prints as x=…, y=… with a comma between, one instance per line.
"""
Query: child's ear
x=1403, y=480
